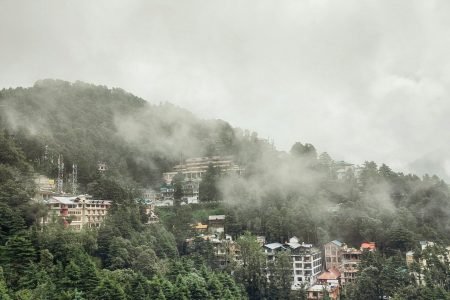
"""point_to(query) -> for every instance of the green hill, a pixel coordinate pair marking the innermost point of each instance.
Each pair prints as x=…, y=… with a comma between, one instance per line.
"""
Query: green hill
x=88, y=124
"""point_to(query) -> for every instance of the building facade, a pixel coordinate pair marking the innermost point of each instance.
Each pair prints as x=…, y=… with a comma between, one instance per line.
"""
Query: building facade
x=76, y=212
x=306, y=261
x=333, y=254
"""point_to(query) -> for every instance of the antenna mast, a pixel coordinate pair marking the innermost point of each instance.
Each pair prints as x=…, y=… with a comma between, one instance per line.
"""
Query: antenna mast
x=60, y=174
x=74, y=179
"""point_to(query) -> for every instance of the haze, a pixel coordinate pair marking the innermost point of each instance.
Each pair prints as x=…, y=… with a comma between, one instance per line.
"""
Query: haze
x=362, y=80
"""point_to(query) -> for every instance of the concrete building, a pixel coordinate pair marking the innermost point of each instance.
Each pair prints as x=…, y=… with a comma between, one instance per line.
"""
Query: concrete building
x=318, y=291
x=306, y=261
x=333, y=254
x=331, y=277
x=344, y=259
x=193, y=169
x=343, y=170
x=216, y=224
x=76, y=212
x=350, y=259
x=45, y=188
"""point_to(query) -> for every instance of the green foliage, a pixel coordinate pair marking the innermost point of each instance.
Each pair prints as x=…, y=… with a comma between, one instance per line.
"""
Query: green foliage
x=208, y=189
x=250, y=273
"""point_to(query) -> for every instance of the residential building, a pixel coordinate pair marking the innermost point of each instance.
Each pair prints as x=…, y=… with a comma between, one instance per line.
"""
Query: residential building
x=330, y=277
x=76, y=212
x=151, y=214
x=200, y=228
x=343, y=170
x=216, y=223
x=344, y=259
x=193, y=170
x=409, y=258
x=333, y=254
x=306, y=261
x=45, y=188
x=318, y=291
x=350, y=259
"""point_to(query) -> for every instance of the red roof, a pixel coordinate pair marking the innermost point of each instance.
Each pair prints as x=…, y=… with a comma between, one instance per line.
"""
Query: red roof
x=368, y=246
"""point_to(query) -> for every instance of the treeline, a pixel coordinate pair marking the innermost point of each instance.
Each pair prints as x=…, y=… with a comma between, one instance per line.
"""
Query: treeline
x=124, y=259
x=280, y=195
x=87, y=124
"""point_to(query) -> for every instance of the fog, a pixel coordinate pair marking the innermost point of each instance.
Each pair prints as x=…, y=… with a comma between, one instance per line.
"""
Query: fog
x=362, y=80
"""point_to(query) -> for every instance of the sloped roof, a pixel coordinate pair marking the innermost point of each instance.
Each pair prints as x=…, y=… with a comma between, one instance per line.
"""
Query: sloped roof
x=332, y=274
x=273, y=246
x=337, y=243
x=65, y=200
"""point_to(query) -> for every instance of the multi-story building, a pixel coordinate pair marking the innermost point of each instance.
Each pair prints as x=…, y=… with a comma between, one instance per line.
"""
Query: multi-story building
x=350, y=259
x=344, y=259
x=306, y=261
x=193, y=170
x=77, y=212
x=45, y=188
x=216, y=223
x=333, y=254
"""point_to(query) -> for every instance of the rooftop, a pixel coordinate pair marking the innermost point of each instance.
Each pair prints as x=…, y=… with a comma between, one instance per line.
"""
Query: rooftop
x=216, y=217
x=332, y=274
x=368, y=246
x=337, y=243
x=273, y=246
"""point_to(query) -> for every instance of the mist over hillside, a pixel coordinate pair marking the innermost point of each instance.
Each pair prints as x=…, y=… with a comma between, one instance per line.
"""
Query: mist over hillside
x=88, y=124
x=302, y=193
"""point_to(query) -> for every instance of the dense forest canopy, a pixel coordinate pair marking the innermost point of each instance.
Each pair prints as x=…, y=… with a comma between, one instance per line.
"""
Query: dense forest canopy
x=280, y=195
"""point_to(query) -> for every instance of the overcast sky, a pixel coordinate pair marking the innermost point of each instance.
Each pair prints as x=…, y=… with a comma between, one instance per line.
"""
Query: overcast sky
x=362, y=80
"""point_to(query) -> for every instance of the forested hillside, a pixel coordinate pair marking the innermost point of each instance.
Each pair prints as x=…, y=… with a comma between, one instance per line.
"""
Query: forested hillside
x=88, y=124
x=280, y=195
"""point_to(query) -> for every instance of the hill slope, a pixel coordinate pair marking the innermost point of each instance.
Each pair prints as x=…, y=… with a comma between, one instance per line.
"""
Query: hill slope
x=87, y=124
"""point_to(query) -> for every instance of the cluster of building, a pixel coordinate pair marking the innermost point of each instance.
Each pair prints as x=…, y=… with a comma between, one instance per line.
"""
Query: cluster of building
x=75, y=211
x=192, y=170
x=422, y=260
x=309, y=271
x=320, y=271
x=345, y=170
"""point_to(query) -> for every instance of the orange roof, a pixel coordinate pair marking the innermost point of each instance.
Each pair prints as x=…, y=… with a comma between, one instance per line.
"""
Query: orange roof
x=332, y=274
x=368, y=246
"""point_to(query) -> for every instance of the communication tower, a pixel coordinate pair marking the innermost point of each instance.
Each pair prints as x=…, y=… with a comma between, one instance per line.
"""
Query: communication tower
x=74, y=179
x=60, y=174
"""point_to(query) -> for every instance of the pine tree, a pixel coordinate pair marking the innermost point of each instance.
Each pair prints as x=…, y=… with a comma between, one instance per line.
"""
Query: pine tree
x=4, y=295
x=108, y=290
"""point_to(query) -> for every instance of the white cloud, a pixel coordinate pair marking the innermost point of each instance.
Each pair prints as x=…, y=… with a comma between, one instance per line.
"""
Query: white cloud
x=363, y=80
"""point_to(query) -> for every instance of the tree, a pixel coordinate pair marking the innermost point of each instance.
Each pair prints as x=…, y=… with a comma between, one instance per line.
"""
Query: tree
x=178, y=182
x=250, y=273
x=4, y=295
x=280, y=275
x=208, y=190
x=19, y=255
x=108, y=289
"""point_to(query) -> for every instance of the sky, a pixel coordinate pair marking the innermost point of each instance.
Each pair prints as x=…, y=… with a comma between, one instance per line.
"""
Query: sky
x=361, y=80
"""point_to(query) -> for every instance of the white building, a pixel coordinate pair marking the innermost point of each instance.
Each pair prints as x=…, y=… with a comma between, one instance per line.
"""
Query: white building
x=306, y=261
